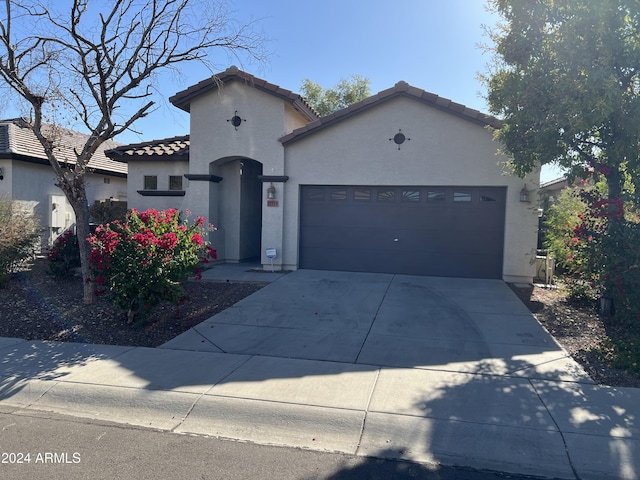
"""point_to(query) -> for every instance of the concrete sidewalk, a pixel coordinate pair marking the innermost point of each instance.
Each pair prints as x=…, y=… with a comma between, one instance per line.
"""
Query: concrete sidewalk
x=449, y=371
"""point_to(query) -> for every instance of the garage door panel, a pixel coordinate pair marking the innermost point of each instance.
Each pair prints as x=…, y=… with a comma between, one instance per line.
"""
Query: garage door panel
x=416, y=241
x=339, y=236
x=404, y=232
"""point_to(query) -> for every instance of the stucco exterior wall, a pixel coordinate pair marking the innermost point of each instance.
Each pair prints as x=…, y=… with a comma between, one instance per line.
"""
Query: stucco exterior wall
x=162, y=169
x=213, y=137
x=34, y=185
x=442, y=149
x=218, y=148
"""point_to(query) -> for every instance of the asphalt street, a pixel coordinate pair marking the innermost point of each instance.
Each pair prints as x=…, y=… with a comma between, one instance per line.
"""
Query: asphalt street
x=46, y=446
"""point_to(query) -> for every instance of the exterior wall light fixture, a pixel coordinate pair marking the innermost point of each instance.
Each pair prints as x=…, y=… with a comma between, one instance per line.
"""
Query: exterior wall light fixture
x=271, y=192
x=524, y=194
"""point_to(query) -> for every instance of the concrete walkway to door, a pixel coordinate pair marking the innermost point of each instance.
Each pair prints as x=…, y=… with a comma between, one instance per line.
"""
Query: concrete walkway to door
x=437, y=370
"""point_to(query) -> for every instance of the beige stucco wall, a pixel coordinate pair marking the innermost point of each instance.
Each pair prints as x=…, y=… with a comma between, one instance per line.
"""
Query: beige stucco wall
x=443, y=150
x=162, y=169
x=34, y=186
x=213, y=137
x=218, y=148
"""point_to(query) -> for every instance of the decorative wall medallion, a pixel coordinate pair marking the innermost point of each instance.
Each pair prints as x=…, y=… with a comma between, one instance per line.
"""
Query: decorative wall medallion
x=236, y=121
x=399, y=138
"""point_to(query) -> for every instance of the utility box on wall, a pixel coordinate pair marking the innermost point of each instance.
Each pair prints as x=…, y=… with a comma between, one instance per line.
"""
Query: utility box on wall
x=57, y=211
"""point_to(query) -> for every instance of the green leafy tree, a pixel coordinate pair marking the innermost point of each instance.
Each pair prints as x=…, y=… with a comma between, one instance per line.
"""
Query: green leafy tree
x=345, y=93
x=566, y=82
x=96, y=64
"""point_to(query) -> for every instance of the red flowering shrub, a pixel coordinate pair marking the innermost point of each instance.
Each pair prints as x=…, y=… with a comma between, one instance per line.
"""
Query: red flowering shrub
x=142, y=261
x=64, y=256
x=605, y=253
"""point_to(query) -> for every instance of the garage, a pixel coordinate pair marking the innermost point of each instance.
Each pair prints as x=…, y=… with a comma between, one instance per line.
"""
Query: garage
x=417, y=230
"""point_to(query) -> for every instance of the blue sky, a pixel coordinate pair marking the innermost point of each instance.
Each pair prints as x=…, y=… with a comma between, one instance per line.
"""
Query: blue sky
x=431, y=44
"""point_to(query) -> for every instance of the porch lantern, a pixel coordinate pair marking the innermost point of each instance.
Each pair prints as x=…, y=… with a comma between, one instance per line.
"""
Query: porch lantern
x=524, y=194
x=271, y=192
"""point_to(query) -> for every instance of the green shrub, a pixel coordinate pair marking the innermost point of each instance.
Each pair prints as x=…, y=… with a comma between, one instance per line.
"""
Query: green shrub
x=64, y=256
x=605, y=253
x=107, y=211
x=142, y=261
x=561, y=218
x=19, y=236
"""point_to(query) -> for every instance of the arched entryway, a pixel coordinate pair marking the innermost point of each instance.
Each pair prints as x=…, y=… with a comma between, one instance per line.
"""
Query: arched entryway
x=235, y=205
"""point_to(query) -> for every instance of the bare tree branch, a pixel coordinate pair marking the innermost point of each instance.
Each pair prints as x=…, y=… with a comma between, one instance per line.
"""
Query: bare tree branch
x=88, y=65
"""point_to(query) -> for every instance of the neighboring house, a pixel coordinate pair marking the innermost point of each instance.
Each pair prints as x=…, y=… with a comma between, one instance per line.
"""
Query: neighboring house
x=402, y=182
x=27, y=176
x=551, y=190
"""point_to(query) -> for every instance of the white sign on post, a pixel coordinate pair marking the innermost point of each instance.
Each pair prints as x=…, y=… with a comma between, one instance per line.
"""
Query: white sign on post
x=271, y=254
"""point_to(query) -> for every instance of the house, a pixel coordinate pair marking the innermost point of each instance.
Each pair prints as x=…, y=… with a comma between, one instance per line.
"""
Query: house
x=27, y=176
x=551, y=190
x=404, y=181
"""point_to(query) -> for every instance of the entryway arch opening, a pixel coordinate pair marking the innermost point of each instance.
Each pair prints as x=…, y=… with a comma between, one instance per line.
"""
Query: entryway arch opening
x=235, y=206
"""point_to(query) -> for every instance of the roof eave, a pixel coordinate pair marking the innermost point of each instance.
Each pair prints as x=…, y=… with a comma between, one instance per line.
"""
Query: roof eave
x=182, y=99
x=401, y=89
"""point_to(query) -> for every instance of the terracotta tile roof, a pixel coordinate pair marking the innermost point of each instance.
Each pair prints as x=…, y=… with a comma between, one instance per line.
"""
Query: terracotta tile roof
x=399, y=89
x=17, y=141
x=183, y=99
x=174, y=148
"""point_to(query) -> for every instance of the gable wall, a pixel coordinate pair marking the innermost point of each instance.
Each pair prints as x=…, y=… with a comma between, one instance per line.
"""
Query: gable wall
x=213, y=137
x=443, y=150
x=218, y=148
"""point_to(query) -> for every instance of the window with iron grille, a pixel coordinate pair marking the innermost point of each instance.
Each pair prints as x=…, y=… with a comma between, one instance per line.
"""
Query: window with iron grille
x=175, y=182
x=150, y=182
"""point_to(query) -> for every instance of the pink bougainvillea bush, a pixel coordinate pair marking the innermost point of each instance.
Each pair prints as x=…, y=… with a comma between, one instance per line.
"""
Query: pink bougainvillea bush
x=143, y=260
x=605, y=251
x=64, y=256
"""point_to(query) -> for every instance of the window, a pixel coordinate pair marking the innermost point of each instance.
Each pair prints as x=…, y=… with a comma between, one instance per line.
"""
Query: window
x=175, y=182
x=315, y=194
x=338, y=195
x=150, y=182
x=107, y=180
x=435, y=196
x=410, y=195
x=386, y=195
x=487, y=198
x=362, y=195
x=461, y=197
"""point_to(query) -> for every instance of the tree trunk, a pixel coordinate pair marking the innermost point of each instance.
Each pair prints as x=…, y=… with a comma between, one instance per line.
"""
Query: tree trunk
x=81, y=209
x=614, y=182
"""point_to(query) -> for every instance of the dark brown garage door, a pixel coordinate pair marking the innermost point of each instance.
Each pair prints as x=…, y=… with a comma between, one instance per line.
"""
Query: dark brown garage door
x=440, y=231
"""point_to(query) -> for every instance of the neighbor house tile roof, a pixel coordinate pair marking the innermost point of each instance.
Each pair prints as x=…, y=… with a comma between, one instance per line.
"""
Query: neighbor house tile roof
x=399, y=89
x=18, y=142
x=183, y=99
x=174, y=148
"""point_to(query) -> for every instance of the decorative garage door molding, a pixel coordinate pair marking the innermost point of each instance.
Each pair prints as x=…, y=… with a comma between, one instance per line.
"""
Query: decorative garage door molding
x=418, y=230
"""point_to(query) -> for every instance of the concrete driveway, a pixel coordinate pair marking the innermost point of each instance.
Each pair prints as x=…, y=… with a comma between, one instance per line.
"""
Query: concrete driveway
x=437, y=370
x=463, y=325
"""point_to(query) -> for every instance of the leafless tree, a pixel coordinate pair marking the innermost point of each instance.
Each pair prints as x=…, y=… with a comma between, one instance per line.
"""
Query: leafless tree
x=95, y=63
